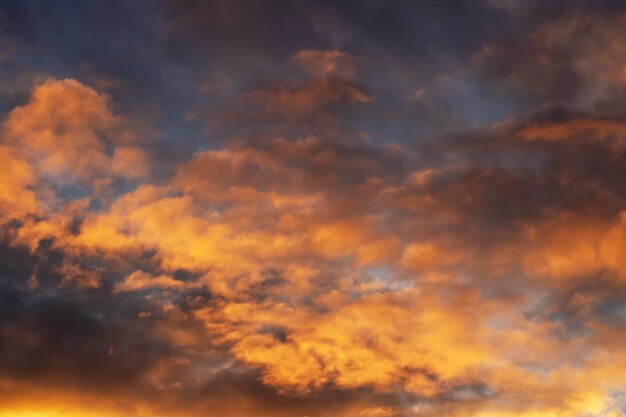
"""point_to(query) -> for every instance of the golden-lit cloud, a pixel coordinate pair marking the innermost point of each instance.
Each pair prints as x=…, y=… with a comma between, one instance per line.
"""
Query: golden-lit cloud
x=69, y=132
x=570, y=247
x=140, y=280
x=131, y=162
x=60, y=128
x=301, y=260
x=293, y=263
x=367, y=344
x=17, y=197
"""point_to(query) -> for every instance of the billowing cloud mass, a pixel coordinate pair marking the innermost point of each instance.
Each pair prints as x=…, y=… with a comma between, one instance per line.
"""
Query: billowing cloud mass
x=365, y=209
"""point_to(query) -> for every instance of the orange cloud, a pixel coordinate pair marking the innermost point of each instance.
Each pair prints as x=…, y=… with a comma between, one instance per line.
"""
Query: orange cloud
x=572, y=247
x=328, y=265
x=378, y=342
x=131, y=162
x=17, y=180
x=140, y=280
x=66, y=129
x=577, y=128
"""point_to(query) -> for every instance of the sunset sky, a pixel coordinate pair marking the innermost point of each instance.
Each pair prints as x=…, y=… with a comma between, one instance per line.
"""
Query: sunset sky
x=312, y=208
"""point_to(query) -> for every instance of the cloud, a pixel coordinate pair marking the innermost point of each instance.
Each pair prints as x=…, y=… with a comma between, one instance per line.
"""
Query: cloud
x=321, y=265
x=60, y=127
x=366, y=344
x=140, y=280
x=577, y=56
x=570, y=247
x=293, y=106
x=592, y=129
x=306, y=255
x=17, y=179
x=319, y=63
x=130, y=162
x=67, y=130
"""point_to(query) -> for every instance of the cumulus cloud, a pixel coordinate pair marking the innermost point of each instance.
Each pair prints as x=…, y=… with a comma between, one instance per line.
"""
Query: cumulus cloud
x=60, y=129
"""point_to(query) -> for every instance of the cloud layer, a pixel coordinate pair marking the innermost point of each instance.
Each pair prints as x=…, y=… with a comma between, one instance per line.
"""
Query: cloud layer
x=292, y=230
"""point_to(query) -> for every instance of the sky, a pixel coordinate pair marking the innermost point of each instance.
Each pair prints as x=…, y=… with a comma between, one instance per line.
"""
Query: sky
x=358, y=208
